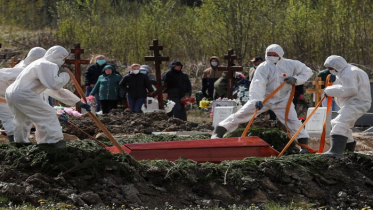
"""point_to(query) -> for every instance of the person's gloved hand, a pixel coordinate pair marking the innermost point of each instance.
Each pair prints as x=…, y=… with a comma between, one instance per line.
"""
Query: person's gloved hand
x=290, y=80
x=259, y=105
x=84, y=106
x=63, y=118
x=62, y=69
x=332, y=78
x=300, y=97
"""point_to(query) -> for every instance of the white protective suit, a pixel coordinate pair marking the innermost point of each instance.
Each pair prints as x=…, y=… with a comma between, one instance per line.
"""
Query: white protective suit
x=7, y=77
x=267, y=78
x=24, y=101
x=352, y=94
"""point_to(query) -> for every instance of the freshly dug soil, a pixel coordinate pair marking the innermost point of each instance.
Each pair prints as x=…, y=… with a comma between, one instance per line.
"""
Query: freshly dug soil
x=85, y=174
x=126, y=122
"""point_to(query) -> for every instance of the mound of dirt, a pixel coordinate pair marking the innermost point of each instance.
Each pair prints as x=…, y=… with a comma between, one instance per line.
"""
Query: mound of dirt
x=83, y=174
x=126, y=122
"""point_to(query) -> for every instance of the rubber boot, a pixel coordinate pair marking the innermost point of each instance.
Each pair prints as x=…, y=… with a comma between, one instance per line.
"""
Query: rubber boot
x=218, y=132
x=302, y=149
x=337, y=146
x=11, y=138
x=60, y=144
x=350, y=147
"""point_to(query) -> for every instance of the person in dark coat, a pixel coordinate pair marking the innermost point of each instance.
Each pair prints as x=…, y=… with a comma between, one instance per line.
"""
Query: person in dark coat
x=178, y=87
x=107, y=87
x=91, y=77
x=136, y=86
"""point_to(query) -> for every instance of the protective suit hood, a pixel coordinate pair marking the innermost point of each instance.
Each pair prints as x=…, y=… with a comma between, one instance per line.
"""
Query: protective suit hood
x=275, y=48
x=34, y=54
x=336, y=62
x=56, y=54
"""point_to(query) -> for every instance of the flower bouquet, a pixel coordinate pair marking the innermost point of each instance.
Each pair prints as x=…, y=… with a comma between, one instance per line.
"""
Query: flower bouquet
x=188, y=100
x=204, y=103
x=90, y=100
x=67, y=110
x=168, y=105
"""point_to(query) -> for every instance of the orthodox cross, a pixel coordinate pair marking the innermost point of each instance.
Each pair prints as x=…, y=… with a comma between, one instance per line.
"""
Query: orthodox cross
x=157, y=58
x=2, y=56
x=318, y=91
x=231, y=57
x=77, y=51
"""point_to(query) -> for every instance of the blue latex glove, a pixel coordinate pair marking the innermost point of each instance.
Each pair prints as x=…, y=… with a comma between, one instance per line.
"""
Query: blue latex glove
x=332, y=78
x=63, y=118
x=290, y=80
x=259, y=105
x=84, y=106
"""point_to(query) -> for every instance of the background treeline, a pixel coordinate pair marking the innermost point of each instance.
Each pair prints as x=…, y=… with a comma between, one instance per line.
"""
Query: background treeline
x=192, y=31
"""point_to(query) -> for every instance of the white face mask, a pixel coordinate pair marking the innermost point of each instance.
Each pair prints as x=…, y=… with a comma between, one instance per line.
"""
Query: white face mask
x=214, y=63
x=135, y=71
x=272, y=59
x=334, y=72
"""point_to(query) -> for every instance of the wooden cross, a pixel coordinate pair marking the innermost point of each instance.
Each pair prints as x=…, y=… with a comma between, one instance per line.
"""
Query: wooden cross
x=318, y=91
x=77, y=61
x=231, y=57
x=2, y=56
x=13, y=61
x=157, y=58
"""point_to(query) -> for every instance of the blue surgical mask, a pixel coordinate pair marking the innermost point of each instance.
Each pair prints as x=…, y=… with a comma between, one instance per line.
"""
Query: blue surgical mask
x=214, y=63
x=101, y=62
x=143, y=72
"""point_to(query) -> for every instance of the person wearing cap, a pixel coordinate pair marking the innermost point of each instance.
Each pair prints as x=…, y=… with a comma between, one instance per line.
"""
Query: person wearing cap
x=145, y=69
x=178, y=87
x=91, y=76
x=108, y=89
x=137, y=86
x=256, y=62
x=210, y=76
x=269, y=75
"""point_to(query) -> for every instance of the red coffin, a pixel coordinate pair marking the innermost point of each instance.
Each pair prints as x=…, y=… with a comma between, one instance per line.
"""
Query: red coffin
x=203, y=150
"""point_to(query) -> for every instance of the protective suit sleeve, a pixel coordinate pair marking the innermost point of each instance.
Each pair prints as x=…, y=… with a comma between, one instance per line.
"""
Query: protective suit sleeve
x=9, y=74
x=50, y=79
x=258, y=85
x=302, y=73
x=348, y=89
x=63, y=95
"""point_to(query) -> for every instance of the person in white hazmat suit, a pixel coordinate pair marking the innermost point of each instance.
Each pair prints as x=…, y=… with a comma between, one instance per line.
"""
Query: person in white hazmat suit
x=7, y=77
x=23, y=97
x=351, y=91
x=268, y=76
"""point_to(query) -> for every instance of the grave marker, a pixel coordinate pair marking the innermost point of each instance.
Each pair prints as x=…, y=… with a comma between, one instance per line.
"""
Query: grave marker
x=231, y=57
x=77, y=61
x=315, y=125
x=13, y=61
x=157, y=58
x=318, y=91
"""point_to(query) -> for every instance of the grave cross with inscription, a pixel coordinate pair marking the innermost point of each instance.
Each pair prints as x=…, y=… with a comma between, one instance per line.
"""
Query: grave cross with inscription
x=231, y=69
x=157, y=58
